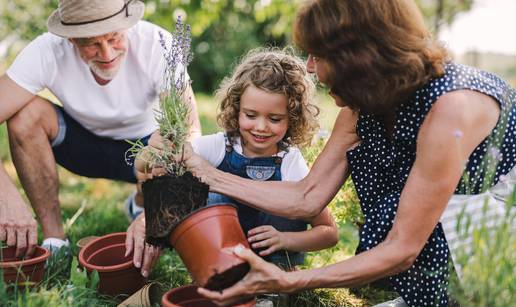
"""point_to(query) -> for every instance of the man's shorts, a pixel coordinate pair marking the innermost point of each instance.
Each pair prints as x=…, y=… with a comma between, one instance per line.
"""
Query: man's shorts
x=86, y=154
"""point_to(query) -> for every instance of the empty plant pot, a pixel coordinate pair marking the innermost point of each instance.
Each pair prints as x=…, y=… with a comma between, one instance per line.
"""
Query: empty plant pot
x=28, y=271
x=148, y=296
x=82, y=242
x=204, y=240
x=187, y=296
x=117, y=274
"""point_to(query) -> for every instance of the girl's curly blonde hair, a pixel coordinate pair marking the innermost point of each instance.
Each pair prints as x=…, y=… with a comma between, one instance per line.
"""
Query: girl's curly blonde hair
x=275, y=71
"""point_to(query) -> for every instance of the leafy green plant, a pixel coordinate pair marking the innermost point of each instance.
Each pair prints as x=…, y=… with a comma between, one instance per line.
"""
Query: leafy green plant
x=488, y=262
x=173, y=115
x=345, y=206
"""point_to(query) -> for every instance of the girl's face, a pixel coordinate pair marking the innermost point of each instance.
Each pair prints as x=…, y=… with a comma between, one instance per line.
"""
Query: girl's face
x=262, y=121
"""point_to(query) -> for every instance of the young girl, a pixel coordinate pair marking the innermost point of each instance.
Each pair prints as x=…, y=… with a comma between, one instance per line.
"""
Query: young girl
x=266, y=111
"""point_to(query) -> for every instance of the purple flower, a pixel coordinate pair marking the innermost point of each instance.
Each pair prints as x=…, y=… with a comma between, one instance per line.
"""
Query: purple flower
x=177, y=56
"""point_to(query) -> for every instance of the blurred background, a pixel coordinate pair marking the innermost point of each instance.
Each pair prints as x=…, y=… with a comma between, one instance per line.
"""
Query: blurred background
x=476, y=31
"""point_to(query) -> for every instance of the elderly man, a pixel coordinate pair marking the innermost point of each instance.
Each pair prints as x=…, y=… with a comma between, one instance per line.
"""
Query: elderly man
x=105, y=67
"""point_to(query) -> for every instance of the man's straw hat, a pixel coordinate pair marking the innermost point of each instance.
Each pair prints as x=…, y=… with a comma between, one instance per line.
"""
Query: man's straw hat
x=88, y=18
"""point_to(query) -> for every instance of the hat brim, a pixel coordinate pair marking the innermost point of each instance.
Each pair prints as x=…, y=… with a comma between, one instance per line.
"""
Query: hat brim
x=115, y=23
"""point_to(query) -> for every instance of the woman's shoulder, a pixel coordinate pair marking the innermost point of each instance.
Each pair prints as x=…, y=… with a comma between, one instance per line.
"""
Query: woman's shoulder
x=449, y=87
x=461, y=77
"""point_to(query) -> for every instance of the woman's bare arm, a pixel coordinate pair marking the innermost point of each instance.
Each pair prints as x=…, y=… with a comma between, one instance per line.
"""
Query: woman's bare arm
x=440, y=160
x=436, y=172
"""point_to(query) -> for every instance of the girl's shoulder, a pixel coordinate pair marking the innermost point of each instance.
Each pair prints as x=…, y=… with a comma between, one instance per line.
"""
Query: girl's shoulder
x=211, y=147
x=293, y=166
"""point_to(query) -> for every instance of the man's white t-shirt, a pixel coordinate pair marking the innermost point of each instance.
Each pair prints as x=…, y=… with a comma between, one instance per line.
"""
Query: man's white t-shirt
x=123, y=108
x=213, y=148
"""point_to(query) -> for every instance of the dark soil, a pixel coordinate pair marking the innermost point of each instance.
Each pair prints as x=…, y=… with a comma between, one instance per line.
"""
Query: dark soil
x=220, y=281
x=168, y=200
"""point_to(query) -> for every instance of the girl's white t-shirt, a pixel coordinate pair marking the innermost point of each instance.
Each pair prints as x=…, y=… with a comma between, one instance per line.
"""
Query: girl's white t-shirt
x=123, y=108
x=213, y=148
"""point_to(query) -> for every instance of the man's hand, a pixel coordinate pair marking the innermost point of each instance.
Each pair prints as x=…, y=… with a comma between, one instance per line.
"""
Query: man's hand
x=17, y=226
x=145, y=255
x=267, y=236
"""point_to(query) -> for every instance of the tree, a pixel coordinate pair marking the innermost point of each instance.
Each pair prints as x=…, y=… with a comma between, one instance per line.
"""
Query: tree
x=222, y=30
x=440, y=12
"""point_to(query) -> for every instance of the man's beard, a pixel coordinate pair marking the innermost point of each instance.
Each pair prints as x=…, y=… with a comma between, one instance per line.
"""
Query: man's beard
x=107, y=74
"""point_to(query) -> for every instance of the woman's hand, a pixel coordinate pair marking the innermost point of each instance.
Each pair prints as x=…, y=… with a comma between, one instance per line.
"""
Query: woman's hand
x=195, y=164
x=267, y=236
x=145, y=255
x=263, y=277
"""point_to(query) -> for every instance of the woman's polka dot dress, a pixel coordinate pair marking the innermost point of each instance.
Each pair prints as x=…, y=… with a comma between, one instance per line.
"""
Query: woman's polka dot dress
x=380, y=167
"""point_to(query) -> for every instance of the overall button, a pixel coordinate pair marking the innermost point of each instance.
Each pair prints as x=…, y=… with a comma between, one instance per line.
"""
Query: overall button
x=260, y=173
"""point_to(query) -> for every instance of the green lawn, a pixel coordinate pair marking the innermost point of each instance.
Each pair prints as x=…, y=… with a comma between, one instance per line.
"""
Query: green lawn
x=101, y=203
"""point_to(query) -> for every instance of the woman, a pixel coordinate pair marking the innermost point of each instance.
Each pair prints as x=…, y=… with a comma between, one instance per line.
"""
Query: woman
x=411, y=123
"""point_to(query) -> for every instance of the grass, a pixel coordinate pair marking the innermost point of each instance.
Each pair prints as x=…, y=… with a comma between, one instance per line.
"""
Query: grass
x=101, y=205
x=488, y=277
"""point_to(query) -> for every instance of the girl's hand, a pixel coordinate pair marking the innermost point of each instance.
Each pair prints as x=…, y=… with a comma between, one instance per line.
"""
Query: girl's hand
x=263, y=277
x=267, y=236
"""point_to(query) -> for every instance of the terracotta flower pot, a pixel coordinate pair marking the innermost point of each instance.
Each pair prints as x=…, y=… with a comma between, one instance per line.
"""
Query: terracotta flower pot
x=204, y=241
x=187, y=296
x=82, y=242
x=117, y=274
x=28, y=271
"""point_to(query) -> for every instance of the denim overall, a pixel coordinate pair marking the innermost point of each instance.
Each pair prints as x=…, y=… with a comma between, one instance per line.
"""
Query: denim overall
x=261, y=168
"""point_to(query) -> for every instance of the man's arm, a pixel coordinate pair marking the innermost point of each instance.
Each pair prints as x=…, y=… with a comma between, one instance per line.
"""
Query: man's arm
x=12, y=98
x=195, y=123
x=17, y=225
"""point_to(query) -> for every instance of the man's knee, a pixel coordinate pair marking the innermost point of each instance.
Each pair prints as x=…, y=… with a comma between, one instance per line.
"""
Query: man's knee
x=36, y=115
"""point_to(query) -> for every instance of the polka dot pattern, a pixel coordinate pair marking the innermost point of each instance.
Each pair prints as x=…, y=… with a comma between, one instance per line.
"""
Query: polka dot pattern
x=380, y=168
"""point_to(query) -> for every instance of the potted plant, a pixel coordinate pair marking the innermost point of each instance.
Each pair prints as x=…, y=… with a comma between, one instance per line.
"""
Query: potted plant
x=170, y=197
x=175, y=197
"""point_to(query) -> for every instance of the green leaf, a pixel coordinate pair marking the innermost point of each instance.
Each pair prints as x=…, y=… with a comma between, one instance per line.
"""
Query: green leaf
x=94, y=279
x=78, y=276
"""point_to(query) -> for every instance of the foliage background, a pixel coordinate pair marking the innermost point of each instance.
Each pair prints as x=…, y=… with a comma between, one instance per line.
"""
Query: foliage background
x=223, y=30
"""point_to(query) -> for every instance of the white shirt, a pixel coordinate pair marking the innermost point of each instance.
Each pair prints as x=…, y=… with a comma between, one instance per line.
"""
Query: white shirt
x=213, y=148
x=123, y=108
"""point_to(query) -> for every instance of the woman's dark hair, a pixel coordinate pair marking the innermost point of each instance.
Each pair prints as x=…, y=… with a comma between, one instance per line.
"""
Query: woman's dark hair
x=378, y=52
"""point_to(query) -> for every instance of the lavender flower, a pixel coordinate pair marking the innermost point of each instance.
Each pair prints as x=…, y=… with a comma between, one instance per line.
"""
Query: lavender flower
x=173, y=115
